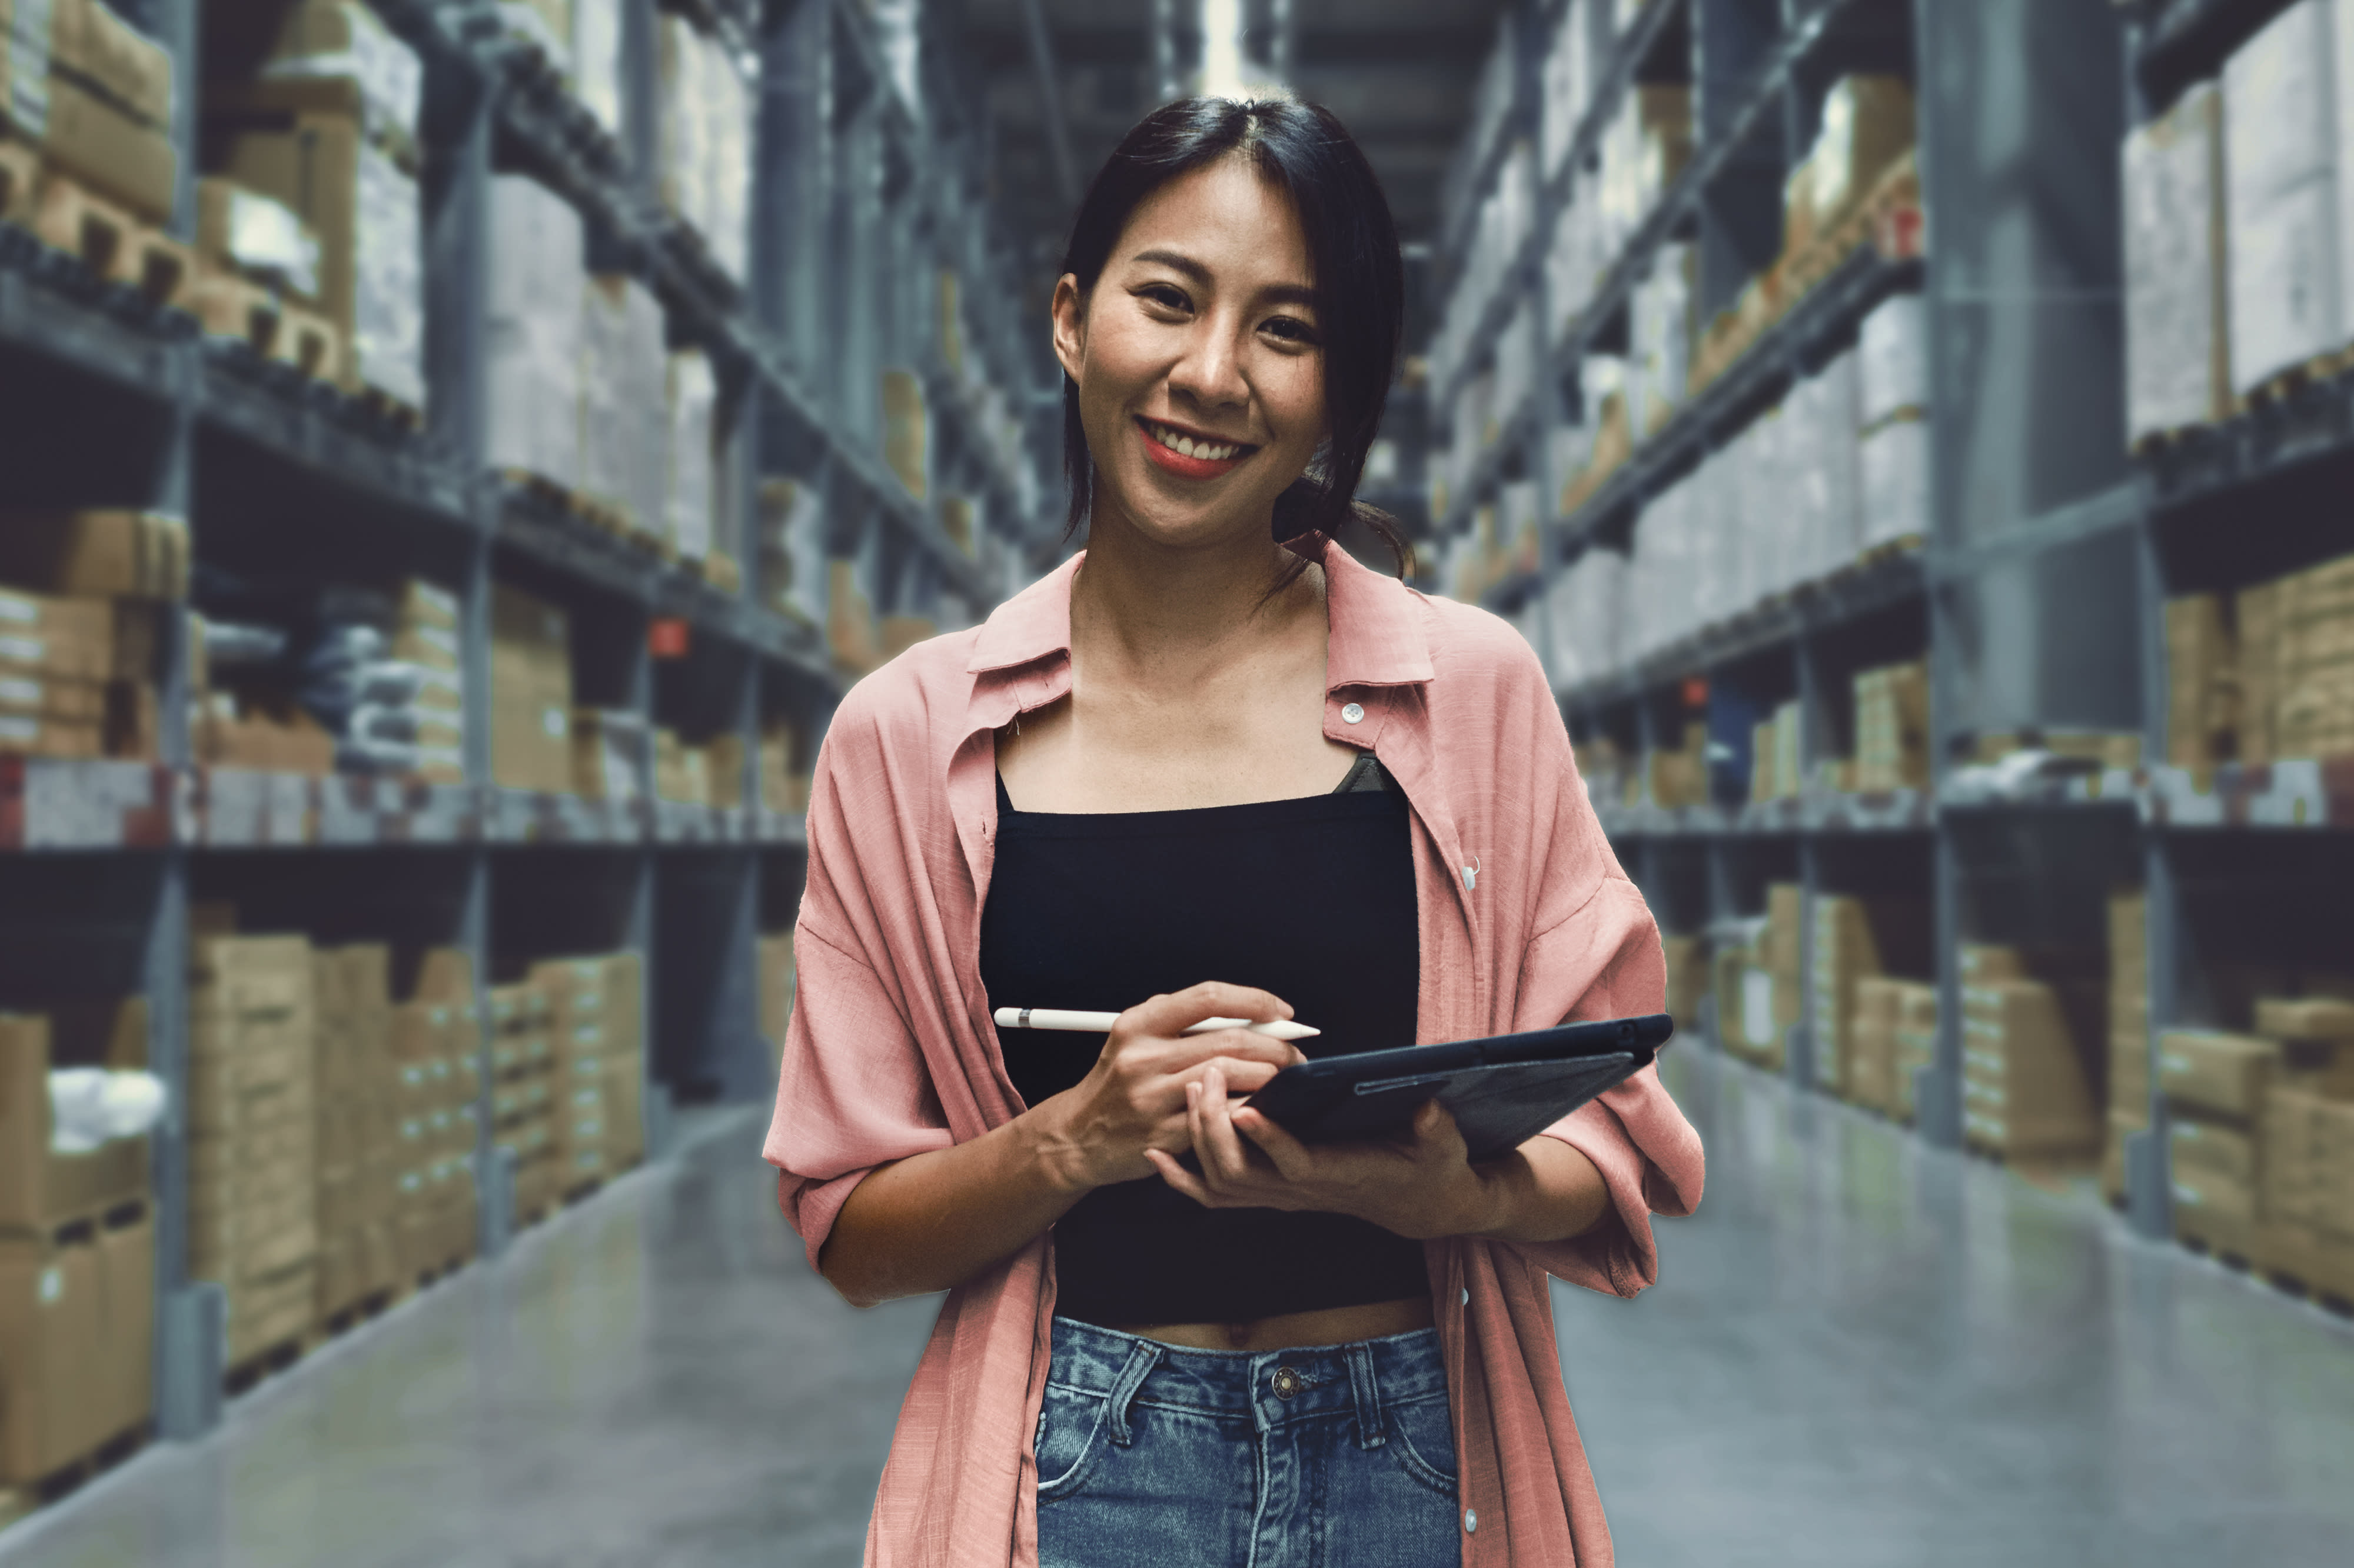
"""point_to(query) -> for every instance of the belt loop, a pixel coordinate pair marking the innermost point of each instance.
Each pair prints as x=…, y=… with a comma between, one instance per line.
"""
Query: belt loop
x=1141, y=1359
x=1368, y=1396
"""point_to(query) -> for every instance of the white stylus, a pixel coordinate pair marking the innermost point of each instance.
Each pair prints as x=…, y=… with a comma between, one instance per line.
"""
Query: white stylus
x=1101, y=1022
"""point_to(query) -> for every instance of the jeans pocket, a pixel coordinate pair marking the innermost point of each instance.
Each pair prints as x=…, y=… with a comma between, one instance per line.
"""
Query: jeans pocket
x=1422, y=1438
x=1070, y=1434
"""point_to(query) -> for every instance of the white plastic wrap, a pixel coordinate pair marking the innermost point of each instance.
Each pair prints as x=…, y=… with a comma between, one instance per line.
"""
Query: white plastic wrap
x=691, y=401
x=534, y=316
x=388, y=343
x=597, y=59
x=1661, y=329
x=1568, y=84
x=2280, y=190
x=1893, y=358
x=266, y=236
x=624, y=424
x=704, y=135
x=91, y=1106
x=390, y=76
x=2175, y=334
x=1895, y=483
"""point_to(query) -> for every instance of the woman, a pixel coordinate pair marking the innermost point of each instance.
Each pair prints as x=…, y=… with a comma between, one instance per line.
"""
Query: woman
x=1214, y=768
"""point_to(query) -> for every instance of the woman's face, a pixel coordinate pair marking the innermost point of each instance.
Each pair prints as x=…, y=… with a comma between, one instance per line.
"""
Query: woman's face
x=1198, y=358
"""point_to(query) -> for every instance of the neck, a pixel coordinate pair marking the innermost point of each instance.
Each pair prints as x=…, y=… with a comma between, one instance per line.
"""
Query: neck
x=1154, y=604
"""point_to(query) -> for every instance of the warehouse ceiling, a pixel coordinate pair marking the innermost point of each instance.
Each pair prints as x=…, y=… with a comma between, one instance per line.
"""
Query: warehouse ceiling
x=1399, y=73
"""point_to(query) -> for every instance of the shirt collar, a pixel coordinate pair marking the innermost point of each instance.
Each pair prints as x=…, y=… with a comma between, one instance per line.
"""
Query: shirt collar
x=1376, y=637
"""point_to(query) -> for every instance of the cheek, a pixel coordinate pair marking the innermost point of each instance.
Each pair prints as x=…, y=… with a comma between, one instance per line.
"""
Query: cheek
x=1293, y=389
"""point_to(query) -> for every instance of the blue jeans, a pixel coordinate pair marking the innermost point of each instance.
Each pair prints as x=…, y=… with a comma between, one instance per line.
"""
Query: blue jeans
x=1153, y=1456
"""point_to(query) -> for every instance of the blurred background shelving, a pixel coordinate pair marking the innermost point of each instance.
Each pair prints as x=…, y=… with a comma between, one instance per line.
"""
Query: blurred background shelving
x=1919, y=455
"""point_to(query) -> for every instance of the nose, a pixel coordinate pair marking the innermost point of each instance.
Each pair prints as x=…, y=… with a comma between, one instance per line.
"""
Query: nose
x=1210, y=372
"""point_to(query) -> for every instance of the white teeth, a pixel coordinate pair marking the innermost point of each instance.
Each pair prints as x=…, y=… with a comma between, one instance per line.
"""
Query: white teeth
x=1186, y=446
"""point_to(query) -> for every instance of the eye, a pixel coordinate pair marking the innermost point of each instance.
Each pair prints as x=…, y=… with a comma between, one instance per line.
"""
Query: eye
x=1166, y=295
x=1290, y=329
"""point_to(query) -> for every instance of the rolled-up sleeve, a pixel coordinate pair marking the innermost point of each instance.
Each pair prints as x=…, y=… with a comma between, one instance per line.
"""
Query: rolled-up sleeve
x=1605, y=962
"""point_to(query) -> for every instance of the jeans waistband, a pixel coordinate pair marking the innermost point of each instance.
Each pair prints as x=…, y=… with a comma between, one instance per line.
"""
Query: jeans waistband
x=1263, y=1385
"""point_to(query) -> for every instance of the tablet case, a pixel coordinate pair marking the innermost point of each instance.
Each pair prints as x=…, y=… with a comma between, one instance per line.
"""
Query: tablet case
x=1502, y=1090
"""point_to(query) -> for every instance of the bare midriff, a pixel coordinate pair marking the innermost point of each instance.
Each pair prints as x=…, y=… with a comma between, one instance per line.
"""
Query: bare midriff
x=1328, y=1326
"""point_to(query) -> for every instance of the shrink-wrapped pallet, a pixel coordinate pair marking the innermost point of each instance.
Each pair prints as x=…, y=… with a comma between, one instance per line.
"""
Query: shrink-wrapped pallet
x=533, y=318
x=2283, y=168
x=2178, y=355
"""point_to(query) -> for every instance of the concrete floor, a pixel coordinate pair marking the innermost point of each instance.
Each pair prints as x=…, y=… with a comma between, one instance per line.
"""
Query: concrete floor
x=1860, y=1353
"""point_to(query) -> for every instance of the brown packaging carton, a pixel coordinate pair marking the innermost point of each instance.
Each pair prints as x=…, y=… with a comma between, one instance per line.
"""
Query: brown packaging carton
x=2214, y=1072
x=38, y=1189
x=76, y=1324
x=97, y=554
x=2024, y=1089
x=97, y=145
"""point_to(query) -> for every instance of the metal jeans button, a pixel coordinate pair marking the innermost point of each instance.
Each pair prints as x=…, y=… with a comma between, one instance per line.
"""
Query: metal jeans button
x=1286, y=1383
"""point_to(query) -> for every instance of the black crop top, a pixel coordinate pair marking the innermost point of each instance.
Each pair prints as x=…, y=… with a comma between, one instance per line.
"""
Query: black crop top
x=1313, y=899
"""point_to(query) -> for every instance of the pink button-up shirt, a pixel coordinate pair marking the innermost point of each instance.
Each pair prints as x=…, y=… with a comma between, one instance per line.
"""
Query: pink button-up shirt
x=1526, y=920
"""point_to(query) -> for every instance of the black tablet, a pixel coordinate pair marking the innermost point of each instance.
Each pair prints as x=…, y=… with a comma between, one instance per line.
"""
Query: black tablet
x=1502, y=1090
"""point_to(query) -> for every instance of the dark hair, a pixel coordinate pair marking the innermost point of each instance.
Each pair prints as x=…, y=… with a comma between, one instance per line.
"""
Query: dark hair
x=1305, y=151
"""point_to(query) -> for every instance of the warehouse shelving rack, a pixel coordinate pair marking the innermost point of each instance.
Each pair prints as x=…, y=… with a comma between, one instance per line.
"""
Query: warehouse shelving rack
x=105, y=400
x=2038, y=596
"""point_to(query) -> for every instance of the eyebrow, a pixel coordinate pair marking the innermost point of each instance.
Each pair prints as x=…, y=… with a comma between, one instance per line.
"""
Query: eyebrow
x=1280, y=293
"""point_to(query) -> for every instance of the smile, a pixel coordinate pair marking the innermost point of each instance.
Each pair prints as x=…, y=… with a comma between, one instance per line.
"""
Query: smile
x=1190, y=456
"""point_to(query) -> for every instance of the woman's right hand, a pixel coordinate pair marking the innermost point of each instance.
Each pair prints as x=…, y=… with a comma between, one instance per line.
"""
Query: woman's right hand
x=1134, y=1099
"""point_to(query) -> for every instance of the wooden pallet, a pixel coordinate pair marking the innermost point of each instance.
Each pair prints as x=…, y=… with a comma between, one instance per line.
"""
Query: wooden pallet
x=268, y=1361
x=434, y=1274
x=2285, y=386
x=108, y=241
x=1889, y=550
x=390, y=409
x=229, y=305
x=20, y=179
x=366, y=1310
x=75, y=1473
x=2229, y=1258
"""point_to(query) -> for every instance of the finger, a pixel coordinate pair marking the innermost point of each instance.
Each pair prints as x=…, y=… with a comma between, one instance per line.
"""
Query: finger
x=1168, y=1016
x=1178, y=1177
x=1291, y=1156
x=1222, y=1144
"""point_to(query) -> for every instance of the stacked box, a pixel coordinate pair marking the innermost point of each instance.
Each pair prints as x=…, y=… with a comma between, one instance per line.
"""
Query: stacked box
x=2200, y=688
x=690, y=460
x=2129, y=1095
x=682, y=772
x=1866, y=125
x=1774, y=763
x=1785, y=957
x=1871, y=1044
x=2025, y=1092
x=252, y=1135
x=358, y=1134
x=437, y=1053
x=1687, y=961
x=1891, y=728
x=350, y=190
x=905, y=430
x=600, y=1040
x=2304, y=1216
x=2177, y=340
x=426, y=635
x=776, y=964
x=1912, y=1045
x=534, y=320
x=621, y=387
x=1855, y=940
x=2256, y=626
x=705, y=139
x=67, y=664
x=2216, y=1085
x=2314, y=662
x=784, y=781
x=77, y=1248
x=524, y=1093
x=531, y=693
x=2281, y=190
x=96, y=94
x=611, y=752
x=1679, y=777
x=793, y=553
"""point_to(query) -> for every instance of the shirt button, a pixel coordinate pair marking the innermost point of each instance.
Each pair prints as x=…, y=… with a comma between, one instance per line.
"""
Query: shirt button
x=1353, y=713
x=1470, y=1521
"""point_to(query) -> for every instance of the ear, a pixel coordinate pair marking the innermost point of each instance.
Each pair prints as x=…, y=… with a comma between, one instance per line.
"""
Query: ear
x=1070, y=316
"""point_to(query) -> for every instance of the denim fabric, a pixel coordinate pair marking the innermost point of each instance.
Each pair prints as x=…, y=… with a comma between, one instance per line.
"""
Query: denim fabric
x=1152, y=1456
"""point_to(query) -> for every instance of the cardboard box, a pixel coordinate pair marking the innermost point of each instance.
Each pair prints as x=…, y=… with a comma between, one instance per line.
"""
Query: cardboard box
x=2215, y=1072
x=904, y=428
x=1892, y=727
x=2024, y=1088
x=2305, y=1018
x=531, y=693
x=98, y=553
x=97, y=145
x=2214, y=1210
x=38, y=1189
x=2257, y=625
x=102, y=52
x=77, y=1322
x=364, y=209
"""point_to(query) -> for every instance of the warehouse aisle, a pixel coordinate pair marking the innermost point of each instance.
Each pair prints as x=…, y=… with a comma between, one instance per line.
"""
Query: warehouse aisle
x=654, y=1378
x=1861, y=1354
x=1865, y=1352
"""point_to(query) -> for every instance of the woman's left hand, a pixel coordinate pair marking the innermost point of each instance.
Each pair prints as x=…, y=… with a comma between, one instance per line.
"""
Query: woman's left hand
x=1420, y=1186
